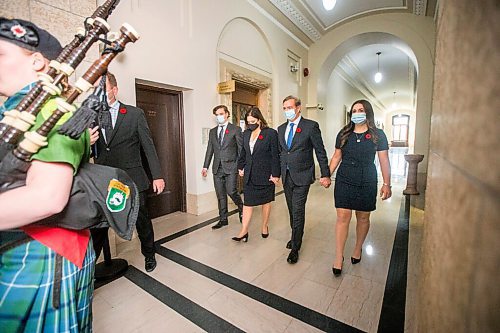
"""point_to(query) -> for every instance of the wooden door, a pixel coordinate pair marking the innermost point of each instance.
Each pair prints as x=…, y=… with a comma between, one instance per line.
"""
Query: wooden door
x=244, y=97
x=163, y=110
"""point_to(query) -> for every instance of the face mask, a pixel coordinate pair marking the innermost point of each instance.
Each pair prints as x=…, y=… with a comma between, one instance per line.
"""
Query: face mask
x=108, y=99
x=220, y=119
x=290, y=114
x=252, y=127
x=358, y=118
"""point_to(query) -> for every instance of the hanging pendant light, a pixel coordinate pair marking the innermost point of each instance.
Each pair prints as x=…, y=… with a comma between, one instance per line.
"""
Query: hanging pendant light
x=329, y=4
x=378, y=75
x=394, y=104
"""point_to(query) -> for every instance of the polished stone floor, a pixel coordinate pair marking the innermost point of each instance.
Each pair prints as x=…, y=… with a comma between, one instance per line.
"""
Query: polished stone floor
x=207, y=282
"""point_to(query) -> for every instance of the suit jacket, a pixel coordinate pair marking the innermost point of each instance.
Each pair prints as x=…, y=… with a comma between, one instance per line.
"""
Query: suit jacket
x=299, y=158
x=225, y=155
x=264, y=161
x=122, y=147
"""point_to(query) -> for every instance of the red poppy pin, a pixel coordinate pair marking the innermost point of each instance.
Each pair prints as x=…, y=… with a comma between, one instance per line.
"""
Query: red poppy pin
x=298, y=130
x=368, y=136
x=227, y=131
x=123, y=111
x=261, y=137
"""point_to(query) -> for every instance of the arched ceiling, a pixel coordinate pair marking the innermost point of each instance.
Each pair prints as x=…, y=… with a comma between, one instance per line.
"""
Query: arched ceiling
x=309, y=21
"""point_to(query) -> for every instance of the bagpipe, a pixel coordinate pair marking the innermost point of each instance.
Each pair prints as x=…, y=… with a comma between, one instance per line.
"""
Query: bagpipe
x=100, y=196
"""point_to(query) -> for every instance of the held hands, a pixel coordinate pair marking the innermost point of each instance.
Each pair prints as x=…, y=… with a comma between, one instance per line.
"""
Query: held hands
x=275, y=180
x=94, y=134
x=241, y=172
x=204, y=172
x=385, y=192
x=325, y=182
x=158, y=185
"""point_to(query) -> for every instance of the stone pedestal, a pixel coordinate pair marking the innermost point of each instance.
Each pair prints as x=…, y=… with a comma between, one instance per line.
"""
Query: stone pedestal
x=411, y=181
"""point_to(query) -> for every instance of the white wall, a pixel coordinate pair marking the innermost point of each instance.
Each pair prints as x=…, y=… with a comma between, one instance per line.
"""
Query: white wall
x=179, y=48
x=332, y=119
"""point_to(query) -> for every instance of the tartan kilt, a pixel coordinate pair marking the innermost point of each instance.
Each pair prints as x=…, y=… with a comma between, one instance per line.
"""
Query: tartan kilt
x=26, y=291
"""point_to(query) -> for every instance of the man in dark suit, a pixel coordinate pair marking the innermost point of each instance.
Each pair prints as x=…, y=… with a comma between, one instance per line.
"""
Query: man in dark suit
x=298, y=137
x=120, y=146
x=224, y=145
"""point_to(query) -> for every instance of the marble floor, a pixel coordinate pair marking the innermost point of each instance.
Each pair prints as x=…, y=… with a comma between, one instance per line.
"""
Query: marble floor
x=204, y=281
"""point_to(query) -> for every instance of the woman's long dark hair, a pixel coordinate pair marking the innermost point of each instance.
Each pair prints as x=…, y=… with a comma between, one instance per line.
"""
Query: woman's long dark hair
x=255, y=112
x=370, y=120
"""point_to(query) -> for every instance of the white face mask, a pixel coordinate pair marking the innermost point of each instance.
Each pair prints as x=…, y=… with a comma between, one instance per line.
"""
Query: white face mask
x=358, y=118
x=290, y=114
x=220, y=119
x=109, y=99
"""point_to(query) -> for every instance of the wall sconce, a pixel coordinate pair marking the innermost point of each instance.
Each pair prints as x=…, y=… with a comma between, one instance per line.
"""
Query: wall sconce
x=294, y=68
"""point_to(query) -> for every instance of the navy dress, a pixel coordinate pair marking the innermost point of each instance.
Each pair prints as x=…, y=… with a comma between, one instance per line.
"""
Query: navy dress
x=356, y=179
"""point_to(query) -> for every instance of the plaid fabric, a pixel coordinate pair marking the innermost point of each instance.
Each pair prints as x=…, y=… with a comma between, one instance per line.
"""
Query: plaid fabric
x=26, y=291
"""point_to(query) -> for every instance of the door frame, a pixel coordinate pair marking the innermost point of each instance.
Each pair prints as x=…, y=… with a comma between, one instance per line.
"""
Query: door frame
x=181, y=133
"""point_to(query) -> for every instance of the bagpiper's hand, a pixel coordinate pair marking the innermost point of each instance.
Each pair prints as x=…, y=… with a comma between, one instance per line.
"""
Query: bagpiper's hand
x=94, y=134
x=204, y=172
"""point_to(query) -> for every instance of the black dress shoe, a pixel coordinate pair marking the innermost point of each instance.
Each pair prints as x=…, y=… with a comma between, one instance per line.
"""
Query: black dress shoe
x=150, y=264
x=289, y=245
x=354, y=261
x=293, y=257
x=219, y=225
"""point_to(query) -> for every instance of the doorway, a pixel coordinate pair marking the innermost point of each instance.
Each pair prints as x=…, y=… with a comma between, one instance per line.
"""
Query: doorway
x=244, y=97
x=164, y=115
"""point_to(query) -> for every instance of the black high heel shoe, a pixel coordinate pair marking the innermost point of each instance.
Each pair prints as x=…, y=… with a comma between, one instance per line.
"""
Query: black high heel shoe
x=244, y=238
x=337, y=271
x=355, y=261
x=266, y=235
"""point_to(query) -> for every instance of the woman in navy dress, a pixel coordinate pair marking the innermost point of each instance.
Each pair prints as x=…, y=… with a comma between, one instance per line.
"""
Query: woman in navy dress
x=356, y=179
x=259, y=164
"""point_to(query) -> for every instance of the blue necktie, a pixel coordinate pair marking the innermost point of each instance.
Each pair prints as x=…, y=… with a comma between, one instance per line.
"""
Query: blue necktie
x=290, y=136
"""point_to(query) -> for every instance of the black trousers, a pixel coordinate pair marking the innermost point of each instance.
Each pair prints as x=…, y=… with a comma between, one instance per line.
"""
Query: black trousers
x=144, y=231
x=296, y=197
x=225, y=184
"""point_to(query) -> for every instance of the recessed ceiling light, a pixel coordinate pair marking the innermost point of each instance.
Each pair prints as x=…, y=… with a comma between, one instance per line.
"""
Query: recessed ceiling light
x=329, y=4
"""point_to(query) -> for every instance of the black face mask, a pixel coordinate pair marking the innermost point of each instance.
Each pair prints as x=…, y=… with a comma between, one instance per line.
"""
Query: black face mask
x=252, y=127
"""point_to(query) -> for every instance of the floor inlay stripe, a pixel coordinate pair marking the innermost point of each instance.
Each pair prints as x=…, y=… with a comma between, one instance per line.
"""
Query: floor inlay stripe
x=193, y=312
x=392, y=316
x=279, y=303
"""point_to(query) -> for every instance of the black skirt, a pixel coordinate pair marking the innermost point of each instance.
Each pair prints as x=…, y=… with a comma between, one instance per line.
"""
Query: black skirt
x=361, y=198
x=255, y=195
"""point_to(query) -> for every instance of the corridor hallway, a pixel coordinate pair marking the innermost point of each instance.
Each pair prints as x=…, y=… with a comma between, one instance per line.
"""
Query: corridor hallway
x=207, y=282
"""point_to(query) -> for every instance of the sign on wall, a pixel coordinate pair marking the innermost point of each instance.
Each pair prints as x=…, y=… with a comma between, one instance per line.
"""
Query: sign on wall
x=226, y=87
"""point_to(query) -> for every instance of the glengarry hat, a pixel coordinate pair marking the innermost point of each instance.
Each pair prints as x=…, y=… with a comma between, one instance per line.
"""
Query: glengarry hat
x=29, y=36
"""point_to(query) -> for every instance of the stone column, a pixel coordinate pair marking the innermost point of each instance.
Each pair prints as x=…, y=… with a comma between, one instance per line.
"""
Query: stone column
x=411, y=181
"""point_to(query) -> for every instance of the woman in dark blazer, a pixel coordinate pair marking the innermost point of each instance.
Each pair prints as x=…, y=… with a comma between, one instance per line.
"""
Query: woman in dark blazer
x=259, y=164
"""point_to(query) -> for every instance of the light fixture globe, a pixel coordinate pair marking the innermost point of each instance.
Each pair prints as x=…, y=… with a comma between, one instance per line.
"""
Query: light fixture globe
x=378, y=77
x=329, y=4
